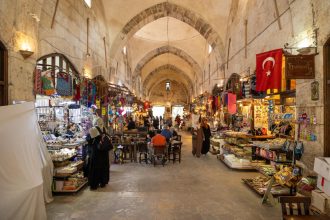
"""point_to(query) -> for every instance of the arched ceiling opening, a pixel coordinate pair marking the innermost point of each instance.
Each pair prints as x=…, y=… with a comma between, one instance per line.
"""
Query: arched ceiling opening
x=178, y=94
x=168, y=9
x=164, y=50
x=165, y=59
x=168, y=72
x=176, y=33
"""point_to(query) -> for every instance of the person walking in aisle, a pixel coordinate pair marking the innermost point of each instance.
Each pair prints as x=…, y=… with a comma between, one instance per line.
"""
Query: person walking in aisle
x=207, y=134
x=98, y=163
x=198, y=142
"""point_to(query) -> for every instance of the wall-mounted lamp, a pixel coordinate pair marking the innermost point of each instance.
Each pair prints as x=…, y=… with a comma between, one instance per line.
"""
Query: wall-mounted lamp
x=25, y=50
x=25, y=53
x=24, y=44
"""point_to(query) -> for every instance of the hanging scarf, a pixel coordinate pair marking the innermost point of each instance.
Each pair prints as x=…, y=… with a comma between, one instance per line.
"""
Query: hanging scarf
x=64, y=84
x=76, y=89
x=37, y=82
x=47, y=78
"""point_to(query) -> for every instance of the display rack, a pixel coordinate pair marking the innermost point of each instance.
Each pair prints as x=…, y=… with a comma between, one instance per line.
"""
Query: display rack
x=241, y=147
x=275, y=190
x=76, y=167
x=71, y=191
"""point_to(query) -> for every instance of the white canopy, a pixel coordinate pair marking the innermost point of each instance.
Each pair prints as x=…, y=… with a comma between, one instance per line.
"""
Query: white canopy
x=24, y=161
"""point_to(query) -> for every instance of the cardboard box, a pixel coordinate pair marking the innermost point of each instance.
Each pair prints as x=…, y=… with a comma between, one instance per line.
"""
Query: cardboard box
x=320, y=201
x=322, y=167
x=323, y=184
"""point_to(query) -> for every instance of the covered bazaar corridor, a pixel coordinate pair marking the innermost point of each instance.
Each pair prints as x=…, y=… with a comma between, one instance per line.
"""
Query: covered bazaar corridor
x=198, y=188
x=87, y=86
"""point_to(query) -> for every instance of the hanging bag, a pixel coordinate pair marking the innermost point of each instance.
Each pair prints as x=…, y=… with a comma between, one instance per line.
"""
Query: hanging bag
x=105, y=142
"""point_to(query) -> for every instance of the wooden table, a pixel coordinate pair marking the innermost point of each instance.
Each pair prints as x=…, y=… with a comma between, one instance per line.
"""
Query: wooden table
x=306, y=217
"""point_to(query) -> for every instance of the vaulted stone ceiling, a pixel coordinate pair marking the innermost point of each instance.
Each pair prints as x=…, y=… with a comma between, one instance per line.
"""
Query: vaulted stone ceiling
x=172, y=34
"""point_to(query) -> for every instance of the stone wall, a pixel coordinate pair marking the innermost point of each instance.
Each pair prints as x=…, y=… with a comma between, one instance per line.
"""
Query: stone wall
x=298, y=19
x=29, y=21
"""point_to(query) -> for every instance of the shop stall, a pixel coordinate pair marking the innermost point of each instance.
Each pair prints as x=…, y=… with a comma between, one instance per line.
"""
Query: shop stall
x=264, y=130
x=64, y=113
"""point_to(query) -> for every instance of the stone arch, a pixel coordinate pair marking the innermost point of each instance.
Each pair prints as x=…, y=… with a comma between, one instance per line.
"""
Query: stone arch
x=180, y=85
x=49, y=60
x=167, y=49
x=165, y=9
x=167, y=67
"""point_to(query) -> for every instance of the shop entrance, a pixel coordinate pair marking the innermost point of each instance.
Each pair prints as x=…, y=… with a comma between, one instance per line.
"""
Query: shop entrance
x=158, y=111
x=177, y=110
x=326, y=50
x=3, y=75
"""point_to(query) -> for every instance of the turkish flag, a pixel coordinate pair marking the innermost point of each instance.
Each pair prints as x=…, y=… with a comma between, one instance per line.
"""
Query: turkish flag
x=269, y=70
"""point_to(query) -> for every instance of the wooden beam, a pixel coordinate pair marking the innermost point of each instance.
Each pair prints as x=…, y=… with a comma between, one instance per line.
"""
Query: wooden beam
x=229, y=42
x=277, y=15
x=87, y=36
x=105, y=53
x=53, y=19
x=245, y=42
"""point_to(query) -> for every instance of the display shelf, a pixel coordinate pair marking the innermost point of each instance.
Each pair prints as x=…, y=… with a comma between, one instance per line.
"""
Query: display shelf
x=71, y=191
x=276, y=161
x=78, y=166
x=276, y=191
x=260, y=137
x=221, y=158
x=286, y=136
x=226, y=147
x=67, y=158
x=261, y=171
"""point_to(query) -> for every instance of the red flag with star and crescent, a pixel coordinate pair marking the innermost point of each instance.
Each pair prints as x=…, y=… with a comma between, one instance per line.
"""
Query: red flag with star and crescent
x=269, y=70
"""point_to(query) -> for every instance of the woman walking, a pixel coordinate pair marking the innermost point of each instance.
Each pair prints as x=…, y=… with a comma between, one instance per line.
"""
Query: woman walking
x=207, y=134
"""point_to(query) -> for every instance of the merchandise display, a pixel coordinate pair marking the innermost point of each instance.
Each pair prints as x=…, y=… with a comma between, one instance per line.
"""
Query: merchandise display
x=64, y=126
x=237, y=151
x=72, y=184
x=259, y=184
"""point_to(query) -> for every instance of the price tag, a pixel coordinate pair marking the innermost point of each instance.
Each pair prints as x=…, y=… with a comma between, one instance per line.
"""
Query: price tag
x=103, y=111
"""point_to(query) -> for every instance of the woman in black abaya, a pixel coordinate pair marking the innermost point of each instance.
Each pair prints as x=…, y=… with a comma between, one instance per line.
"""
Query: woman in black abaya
x=207, y=135
x=98, y=172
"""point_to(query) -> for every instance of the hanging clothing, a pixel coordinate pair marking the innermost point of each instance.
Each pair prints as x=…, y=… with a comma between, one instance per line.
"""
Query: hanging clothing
x=198, y=142
x=38, y=82
x=64, y=84
x=206, y=141
x=47, y=78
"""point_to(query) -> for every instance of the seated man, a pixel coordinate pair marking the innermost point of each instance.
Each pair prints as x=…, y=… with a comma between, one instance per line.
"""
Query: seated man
x=167, y=133
x=157, y=141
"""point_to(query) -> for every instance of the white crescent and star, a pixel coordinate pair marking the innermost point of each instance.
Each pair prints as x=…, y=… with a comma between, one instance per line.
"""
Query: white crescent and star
x=268, y=72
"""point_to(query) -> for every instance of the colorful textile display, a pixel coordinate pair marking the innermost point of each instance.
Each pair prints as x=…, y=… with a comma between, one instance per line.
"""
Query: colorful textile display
x=47, y=78
x=91, y=93
x=37, y=82
x=231, y=103
x=64, y=84
x=76, y=90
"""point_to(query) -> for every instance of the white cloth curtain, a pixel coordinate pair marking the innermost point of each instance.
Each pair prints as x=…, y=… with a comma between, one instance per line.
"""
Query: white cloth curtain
x=22, y=164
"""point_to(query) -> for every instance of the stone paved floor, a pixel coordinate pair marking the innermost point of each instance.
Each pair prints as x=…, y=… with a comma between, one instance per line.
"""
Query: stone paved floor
x=198, y=188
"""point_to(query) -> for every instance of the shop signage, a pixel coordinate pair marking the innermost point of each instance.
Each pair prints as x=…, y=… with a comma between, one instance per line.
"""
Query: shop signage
x=299, y=66
x=98, y=103
x=104, y=111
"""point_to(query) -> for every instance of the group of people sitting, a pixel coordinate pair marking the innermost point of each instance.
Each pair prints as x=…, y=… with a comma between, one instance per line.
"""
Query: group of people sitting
x=160, y=139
